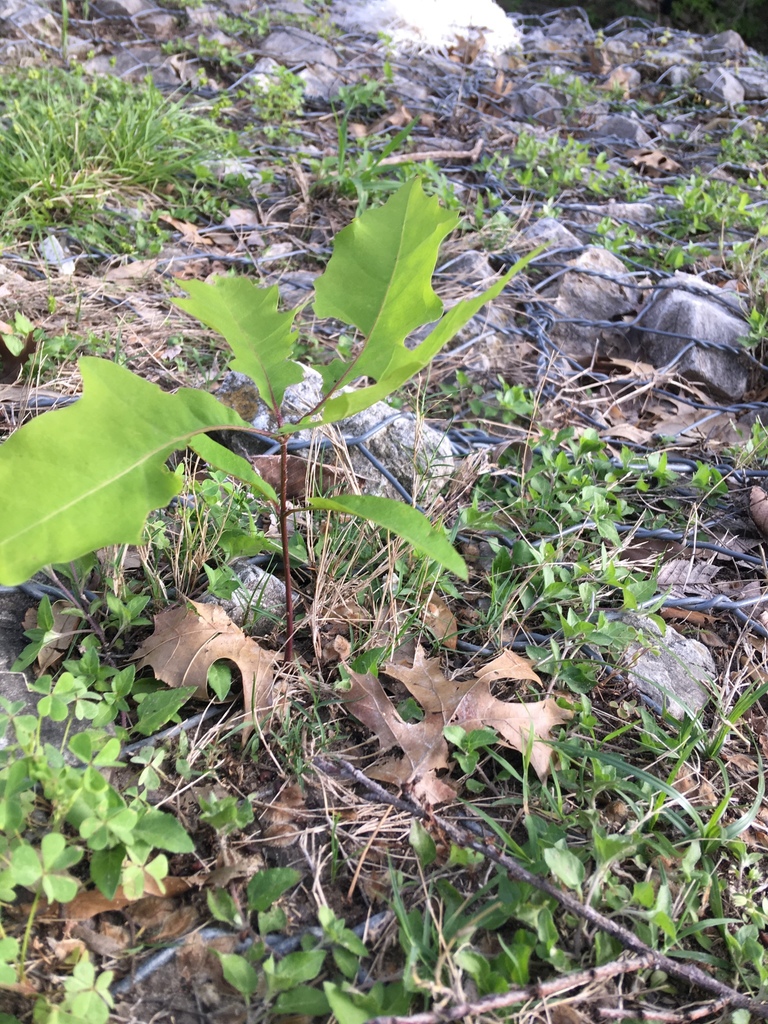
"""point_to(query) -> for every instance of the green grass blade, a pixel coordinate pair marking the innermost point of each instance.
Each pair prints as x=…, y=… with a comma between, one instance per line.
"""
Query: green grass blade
x=80, y=478
x=261, y=338
x=401, y=519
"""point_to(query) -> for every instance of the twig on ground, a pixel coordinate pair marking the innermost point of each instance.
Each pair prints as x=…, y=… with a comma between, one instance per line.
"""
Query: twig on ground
x=461, y=837
x=434, y=154
x=540, y=990
x=668, y=1016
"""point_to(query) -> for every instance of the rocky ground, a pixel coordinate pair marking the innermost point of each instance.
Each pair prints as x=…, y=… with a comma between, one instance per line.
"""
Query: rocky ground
x=634, y=161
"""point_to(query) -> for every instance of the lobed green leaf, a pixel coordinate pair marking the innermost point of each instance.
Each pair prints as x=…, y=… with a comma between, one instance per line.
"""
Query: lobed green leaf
x=261, y=338
x=81, y=478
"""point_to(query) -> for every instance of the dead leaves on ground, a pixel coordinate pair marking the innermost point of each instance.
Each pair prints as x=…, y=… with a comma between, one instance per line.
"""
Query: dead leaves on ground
x=469, y=703
x=190, y=638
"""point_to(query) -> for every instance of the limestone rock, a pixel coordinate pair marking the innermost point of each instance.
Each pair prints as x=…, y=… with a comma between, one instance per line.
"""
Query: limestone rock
x=684, y=309
x=551, y=233
x=258, y=606
x=596, y=287
x=728, y=45
x=721, y=86
x=22, y=20
x=671, y=670
x=418, y=456
x=292, y=46
x=754, y=82
x=623, y=129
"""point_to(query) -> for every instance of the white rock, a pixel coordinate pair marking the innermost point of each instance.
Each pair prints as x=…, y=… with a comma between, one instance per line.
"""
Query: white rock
x=431, y=23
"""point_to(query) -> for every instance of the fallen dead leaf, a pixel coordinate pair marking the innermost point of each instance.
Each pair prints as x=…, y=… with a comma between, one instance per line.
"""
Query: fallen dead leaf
x=188, y=639
x=188, y=232
x=11, y=363
x=88, y=904
x=468, y=703
x=66, y=625
x=441, y=621
x=619, y=78
x=695, y=788
x=132, y=271
x=758, y=509
x=281, y=819
x=268, y=467
x=652, y=162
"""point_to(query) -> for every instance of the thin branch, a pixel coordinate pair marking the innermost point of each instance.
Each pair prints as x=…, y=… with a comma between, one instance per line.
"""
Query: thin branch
x=668, y=1016
x=461, y=837
x=540, y=990
x=434, y=154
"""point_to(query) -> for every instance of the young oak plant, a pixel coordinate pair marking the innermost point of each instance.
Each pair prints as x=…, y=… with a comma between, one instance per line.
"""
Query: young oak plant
x=87, y=476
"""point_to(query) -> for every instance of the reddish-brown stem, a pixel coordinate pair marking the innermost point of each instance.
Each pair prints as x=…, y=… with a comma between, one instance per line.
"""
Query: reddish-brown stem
x=283, y=518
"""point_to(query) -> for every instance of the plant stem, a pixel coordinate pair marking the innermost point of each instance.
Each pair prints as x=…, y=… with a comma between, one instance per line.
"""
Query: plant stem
x=283, y=517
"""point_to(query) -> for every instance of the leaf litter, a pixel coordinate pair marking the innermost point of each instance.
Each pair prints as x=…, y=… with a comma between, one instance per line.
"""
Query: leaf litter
x=524, y=726
x=189, y=639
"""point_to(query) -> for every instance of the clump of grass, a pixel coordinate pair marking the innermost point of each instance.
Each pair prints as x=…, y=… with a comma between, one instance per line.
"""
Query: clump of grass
x=70, y=144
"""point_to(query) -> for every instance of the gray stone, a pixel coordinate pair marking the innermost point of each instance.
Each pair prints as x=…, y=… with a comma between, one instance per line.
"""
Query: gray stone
x=721, y=86
x=675, y=673
x=417, y=455
x=727, y=44
x=619, y=52
x=754, y=82
x=571, y=24
x=410, y=89
x=620, y=128
x=624, y=213
x=258, y=606
x=202, y=17
x=22, y=20
x=597, y=287
x=539, y=102
x=472, y=267
x=158, y=25
x=677, y=75
x=294, y=46
x=134, y=64
x=631, y=76
x=321, y=83
x=551, y=233
x=119, y=8
x=682, y=308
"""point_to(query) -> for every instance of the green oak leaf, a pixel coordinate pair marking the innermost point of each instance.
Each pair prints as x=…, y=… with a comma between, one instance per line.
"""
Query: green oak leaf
x=379, y=277
x=80, y=478
x=261, y=338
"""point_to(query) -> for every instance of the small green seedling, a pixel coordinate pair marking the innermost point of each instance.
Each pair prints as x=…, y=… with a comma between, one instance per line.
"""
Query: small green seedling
x=87, y=476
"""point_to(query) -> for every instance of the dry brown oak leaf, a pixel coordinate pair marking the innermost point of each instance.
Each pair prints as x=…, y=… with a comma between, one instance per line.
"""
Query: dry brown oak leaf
x=468, y=703
x=188, y=639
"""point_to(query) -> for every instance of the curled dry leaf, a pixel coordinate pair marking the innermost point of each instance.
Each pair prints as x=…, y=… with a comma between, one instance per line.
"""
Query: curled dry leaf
x=758, y=509
x=653, y=162
x=281, y=820
x=66, y=626
x=188, y=639
x=439, y=618
x=468, y=703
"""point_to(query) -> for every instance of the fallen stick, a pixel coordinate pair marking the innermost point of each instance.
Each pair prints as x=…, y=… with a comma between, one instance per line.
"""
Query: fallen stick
x=464, y=839
x=539, y=990
x=434, y=154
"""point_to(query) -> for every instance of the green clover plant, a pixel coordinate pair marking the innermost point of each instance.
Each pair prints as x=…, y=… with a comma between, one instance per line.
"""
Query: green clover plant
x=87, y=476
